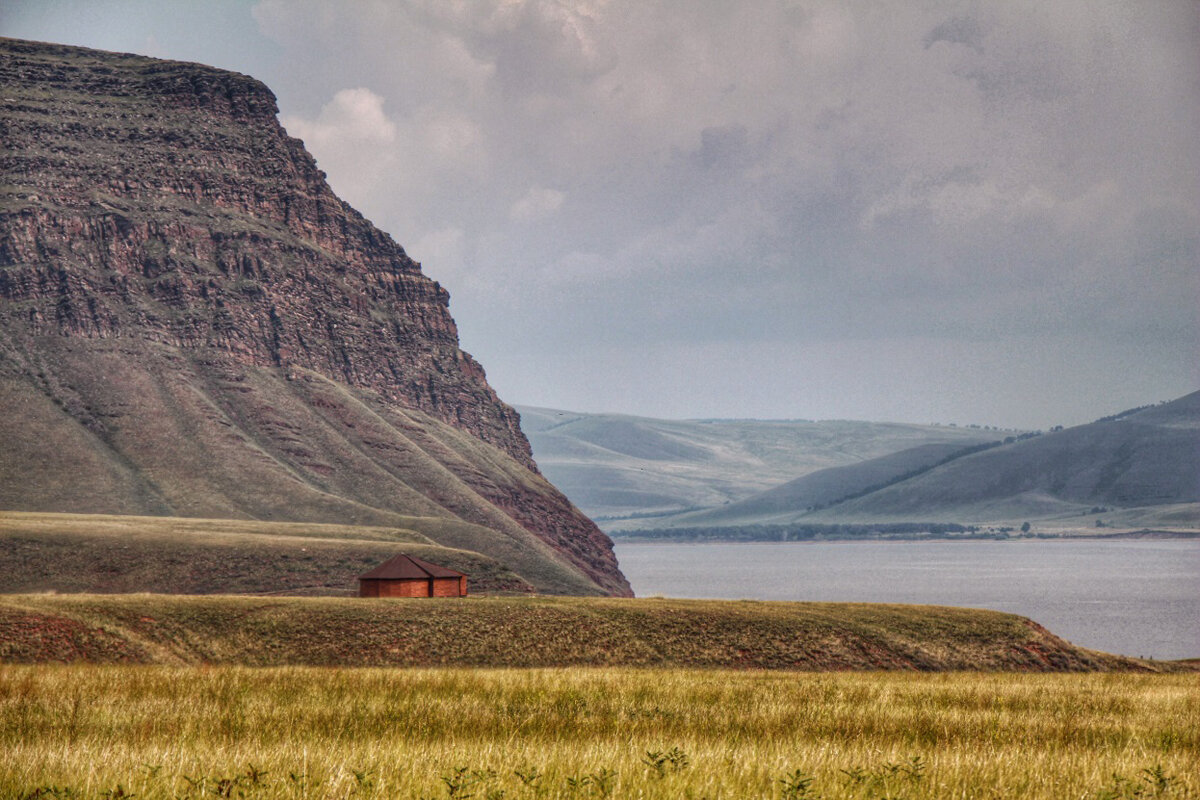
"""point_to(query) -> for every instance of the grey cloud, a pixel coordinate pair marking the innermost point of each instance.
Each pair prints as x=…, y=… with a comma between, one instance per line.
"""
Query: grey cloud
x=609, y=185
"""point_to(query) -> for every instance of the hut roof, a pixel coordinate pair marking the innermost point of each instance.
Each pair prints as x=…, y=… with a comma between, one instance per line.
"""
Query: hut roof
x=406, y=567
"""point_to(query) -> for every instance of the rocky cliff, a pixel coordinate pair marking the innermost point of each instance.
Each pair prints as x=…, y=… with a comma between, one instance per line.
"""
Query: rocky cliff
x=194, y=324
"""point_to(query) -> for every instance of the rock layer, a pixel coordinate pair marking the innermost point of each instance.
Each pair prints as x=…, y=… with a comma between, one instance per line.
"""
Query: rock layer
x=155, y=217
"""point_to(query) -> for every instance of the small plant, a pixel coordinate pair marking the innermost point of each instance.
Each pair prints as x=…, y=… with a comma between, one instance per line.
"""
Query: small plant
x=604, y=781
x=463, y=779
x=529, y=776
x=855, y=775
x=662, y=762
x=57, y=792
x=1157, y=779
x=363, y=779
x=577, y=784
x=117, y=793
x=657, y=761
x=916, y=767
x=1155, y=782
x=797, y=786
x=255, y=775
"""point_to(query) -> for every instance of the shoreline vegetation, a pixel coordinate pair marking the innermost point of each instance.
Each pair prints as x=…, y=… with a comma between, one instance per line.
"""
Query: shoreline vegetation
x=899, y=531
x=187, y=733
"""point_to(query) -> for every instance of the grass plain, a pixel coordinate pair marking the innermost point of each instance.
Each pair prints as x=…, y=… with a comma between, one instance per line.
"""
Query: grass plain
x=113, y=553
x=199, y=732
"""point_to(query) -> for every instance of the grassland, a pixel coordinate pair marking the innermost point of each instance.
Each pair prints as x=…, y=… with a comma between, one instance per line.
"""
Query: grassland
x=533, y=632
x=113, y=553
x=161, y=732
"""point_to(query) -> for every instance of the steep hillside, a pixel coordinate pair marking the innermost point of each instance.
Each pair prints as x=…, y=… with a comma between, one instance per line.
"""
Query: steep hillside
x=193, y=324
x=534, y=632
x=623, y=470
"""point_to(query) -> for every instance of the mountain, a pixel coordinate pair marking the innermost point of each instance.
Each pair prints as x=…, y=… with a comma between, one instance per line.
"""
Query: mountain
x=815, y=490
x=624, y=470
x=1146, y=460
x=193, y=325
x=1136, y=469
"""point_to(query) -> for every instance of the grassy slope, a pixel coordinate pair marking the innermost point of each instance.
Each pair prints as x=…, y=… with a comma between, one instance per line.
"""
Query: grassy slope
x=531, y=632
x=149, y=431
x=615, y=466
x=98, y=553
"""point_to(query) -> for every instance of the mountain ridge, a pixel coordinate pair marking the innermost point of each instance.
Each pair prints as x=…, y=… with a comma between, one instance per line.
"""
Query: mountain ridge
x=1138, y=469
x=195, y=325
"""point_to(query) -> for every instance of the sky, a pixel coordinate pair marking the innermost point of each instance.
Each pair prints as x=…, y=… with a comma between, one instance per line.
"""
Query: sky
x=969, y=212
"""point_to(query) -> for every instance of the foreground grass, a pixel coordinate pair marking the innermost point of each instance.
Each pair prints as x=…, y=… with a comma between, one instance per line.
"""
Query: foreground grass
x=193, y=732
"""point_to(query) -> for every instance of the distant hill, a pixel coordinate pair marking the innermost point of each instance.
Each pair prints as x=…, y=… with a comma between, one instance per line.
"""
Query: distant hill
x=1135, y=469
x=621, y=470
x=1149, y=458
x=821, y=488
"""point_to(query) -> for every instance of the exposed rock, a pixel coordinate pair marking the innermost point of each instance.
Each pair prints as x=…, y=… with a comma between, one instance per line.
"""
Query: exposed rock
x=155, y=214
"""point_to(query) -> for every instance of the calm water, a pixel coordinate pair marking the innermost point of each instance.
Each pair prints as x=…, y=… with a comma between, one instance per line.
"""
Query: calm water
x=1133, y=597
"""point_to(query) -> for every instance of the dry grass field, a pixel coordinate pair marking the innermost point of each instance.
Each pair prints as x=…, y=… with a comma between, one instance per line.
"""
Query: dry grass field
x=272, y=733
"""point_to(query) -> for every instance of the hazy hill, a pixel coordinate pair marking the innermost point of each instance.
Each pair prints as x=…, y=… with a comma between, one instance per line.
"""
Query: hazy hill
x=1139, y=468
x=193, y=325
x=1148, y=459
x=623, y=469
x=821, y=488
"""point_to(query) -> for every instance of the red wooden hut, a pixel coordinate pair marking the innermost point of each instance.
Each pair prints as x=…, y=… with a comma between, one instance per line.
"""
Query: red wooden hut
x=407, y=576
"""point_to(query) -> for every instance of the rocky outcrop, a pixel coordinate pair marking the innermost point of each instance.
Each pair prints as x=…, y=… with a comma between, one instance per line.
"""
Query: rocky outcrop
x=154, y=207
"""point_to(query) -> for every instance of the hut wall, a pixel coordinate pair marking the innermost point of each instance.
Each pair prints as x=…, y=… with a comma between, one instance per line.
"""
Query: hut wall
x=449, y=587
x=395, y=588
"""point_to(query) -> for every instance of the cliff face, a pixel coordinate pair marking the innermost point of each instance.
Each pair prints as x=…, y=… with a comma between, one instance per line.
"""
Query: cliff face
x=166, y=249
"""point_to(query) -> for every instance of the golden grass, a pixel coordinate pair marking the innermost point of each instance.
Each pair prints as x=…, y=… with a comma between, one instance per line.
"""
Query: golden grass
x=157, y=732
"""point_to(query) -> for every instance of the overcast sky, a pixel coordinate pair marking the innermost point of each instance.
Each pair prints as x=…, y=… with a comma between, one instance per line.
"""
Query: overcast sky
x=971, y=212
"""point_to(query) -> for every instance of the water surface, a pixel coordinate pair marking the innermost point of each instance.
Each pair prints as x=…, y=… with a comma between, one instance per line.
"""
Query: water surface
x=1138, y=597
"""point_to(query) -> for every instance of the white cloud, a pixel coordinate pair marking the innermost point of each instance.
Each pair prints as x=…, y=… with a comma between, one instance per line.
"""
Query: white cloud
x=353, y=117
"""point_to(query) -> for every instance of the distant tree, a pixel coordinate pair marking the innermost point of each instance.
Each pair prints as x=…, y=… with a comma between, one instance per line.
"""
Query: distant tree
x=1024, y=527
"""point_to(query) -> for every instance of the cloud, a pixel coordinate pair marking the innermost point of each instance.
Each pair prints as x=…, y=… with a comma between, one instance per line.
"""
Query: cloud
x=352, y=118
x=789, y=172
x=538, y=203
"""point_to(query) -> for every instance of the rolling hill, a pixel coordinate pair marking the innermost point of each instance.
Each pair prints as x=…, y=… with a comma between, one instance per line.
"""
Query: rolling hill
x=522, y=632
x=1135, y=469
x=1147, y=460
x=623, y=470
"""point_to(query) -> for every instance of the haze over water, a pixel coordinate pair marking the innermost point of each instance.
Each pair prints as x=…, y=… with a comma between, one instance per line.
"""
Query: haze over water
x=1130, y=597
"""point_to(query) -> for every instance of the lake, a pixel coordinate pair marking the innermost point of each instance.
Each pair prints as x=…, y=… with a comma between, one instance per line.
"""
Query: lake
x=1135, y=597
